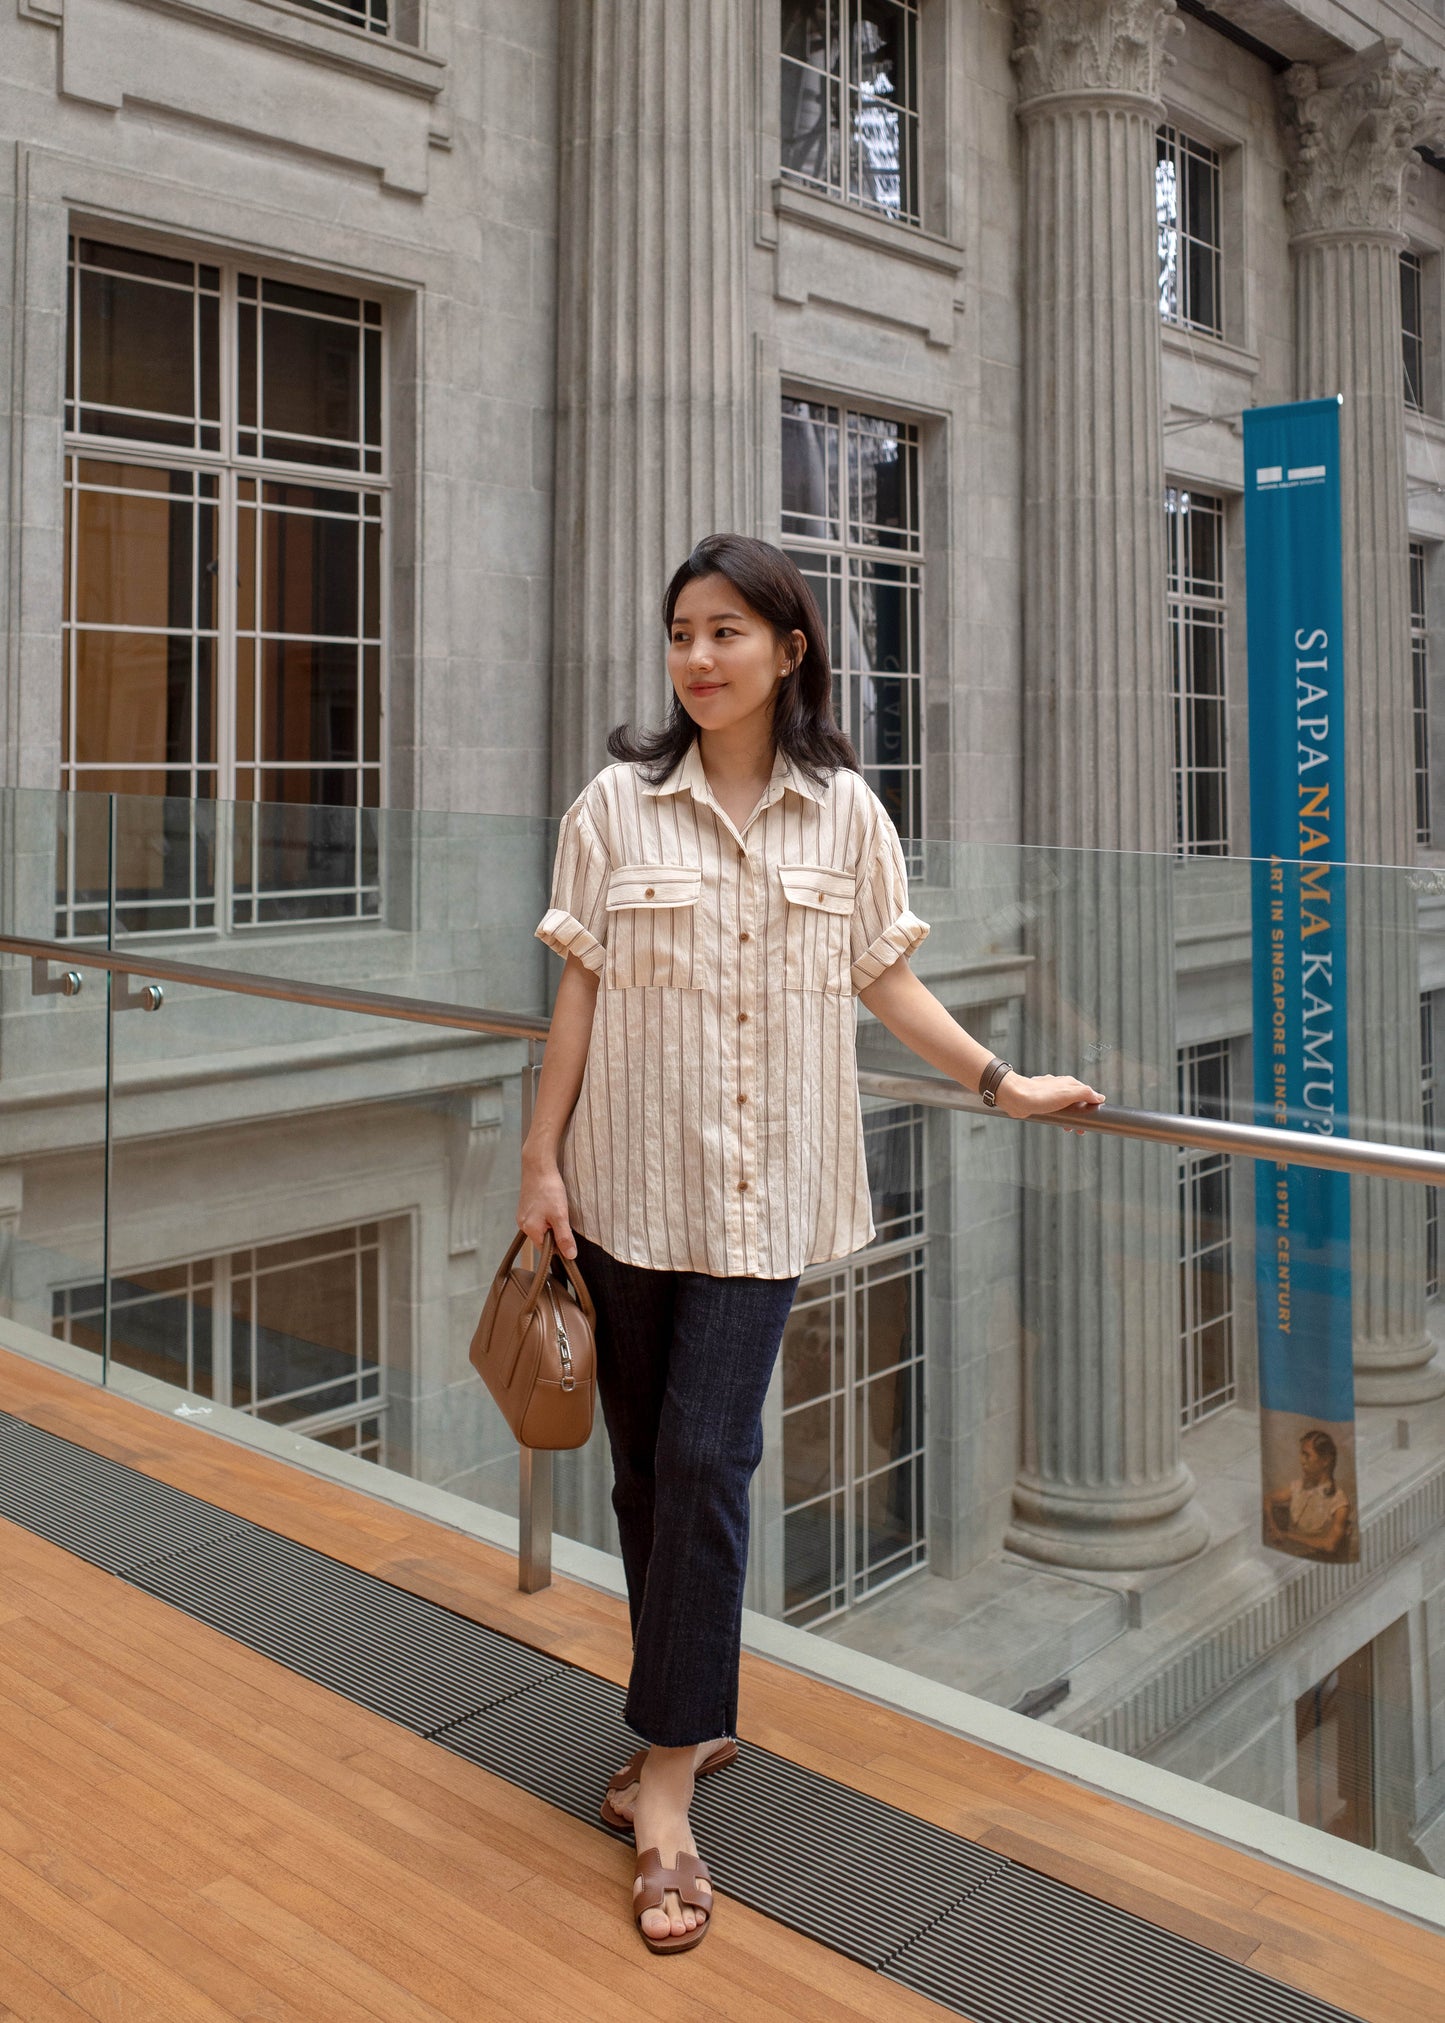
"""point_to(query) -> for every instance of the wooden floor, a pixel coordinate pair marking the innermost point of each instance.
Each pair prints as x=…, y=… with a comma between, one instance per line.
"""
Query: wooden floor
x=188, y=1830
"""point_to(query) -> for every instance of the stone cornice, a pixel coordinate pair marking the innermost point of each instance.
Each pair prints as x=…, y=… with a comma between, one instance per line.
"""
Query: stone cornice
x=1351, y=128
x=1071, y=47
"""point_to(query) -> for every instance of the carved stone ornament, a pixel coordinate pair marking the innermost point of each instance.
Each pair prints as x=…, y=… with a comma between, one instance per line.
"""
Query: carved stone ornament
x=1092, y=45
x=1351, y=128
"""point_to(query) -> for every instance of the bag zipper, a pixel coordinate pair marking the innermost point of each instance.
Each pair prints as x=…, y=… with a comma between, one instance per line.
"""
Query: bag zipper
x=564, y=1347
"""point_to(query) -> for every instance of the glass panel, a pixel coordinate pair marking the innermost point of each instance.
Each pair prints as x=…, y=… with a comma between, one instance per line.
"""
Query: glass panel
x=52, y=1108
x=308, y=1210
x=810, y=470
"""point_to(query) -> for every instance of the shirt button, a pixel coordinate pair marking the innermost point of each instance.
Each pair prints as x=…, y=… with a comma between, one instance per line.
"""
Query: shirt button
x=742, y=1018
x=745, y=936
x=743, y=1098
x=651, y=893
x=742, y=1187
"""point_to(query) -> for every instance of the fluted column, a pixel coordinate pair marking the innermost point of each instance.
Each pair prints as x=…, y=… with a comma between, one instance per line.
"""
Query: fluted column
x=1102, y=1483
x=652, y=344
x=1351, y=129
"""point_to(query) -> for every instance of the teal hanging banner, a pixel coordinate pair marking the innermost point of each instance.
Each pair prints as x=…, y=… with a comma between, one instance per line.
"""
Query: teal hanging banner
x=1301, y=1080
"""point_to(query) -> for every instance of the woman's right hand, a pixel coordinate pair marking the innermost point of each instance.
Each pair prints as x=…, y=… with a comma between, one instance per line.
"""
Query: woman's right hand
x=542, y=1205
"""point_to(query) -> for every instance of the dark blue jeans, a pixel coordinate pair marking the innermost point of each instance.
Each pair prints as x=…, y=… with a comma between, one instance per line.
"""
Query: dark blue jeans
x=683, y=1363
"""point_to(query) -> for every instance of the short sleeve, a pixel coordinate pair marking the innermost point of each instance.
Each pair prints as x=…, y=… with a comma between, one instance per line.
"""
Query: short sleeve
x=576, y=921
x=883, y=926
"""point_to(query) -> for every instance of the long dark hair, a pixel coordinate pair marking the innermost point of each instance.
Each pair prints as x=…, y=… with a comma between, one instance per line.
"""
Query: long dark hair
x=803, y=723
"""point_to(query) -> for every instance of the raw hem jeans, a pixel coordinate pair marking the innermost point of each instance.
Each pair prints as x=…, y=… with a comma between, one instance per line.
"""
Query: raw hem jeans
x=683, y=1363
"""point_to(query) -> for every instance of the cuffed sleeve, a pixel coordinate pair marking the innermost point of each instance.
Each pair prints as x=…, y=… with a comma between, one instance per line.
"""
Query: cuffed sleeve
x=576, y=921
x=883, y=926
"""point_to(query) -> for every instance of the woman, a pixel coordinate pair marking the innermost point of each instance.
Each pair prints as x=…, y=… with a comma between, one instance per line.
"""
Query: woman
x=720, y=895
x=1312, y=1517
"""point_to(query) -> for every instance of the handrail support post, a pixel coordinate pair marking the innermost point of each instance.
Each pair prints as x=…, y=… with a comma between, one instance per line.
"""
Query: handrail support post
x=535, y=1476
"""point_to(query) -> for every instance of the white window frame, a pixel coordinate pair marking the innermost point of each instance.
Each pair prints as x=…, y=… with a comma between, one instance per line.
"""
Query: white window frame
x=1195, y=1165
x=909, y=210
x=1192, y=605
x=887, y=1258
x=217, y=911
x=215, y=1272
x=844, y=557
x=1181, y=314
x=1420, y=680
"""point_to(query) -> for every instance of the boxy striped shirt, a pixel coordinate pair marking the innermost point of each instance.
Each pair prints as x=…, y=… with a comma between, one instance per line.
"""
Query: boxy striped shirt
x=718, y=1127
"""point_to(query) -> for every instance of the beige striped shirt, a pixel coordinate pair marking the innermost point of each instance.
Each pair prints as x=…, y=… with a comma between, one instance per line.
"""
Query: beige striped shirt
x=718, y=1127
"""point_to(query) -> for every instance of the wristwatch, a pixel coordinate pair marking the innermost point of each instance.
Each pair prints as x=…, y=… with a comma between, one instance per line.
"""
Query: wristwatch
x=992, y=1078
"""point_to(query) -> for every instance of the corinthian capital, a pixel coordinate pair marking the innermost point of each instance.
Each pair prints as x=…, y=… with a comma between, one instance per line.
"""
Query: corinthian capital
x=1351, y=129
x=1091, y=45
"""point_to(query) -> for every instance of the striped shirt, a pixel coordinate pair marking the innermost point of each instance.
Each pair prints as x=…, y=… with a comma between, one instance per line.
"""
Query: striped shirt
x=718, y=1127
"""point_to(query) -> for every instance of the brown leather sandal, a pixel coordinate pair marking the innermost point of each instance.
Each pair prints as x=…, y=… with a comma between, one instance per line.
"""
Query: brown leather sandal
x=632, y=1769
x=688, y=1876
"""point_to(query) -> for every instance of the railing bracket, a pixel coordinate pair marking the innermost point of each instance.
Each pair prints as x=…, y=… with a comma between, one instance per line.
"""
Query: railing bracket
x=60, y=983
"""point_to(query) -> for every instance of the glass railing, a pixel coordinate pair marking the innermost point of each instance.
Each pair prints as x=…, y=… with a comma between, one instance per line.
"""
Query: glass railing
x=1075, y=1435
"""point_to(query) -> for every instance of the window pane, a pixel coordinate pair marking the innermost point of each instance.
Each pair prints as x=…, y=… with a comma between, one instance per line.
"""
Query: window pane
x=882, y=482
x=810, y=470
x=310, y=575
x=813, y=1550
x=812, y=1346
x=309, y=698
x=146, y=344
x=310, y=376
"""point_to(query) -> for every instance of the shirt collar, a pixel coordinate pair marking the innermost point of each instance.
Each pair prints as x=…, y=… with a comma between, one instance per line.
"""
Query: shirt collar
x=689, y=777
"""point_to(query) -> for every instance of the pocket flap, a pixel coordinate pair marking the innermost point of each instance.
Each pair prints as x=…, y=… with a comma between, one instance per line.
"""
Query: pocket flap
x=654, y=885
x=818, y=886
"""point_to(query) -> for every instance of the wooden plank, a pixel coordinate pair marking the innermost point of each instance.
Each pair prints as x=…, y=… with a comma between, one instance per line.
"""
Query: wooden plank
x=31, y=1996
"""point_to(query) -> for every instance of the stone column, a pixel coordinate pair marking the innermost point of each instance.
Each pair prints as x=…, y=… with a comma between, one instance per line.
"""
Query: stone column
x=1102, y=1483
x=1351, y=130
x=652, y=349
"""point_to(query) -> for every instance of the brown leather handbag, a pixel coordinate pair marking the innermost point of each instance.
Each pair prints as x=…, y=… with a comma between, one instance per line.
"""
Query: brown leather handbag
x=535, y=1349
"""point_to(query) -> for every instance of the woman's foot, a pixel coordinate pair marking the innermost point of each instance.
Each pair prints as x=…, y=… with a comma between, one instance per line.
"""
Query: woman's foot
x=659, y=1820
x=623, y=1801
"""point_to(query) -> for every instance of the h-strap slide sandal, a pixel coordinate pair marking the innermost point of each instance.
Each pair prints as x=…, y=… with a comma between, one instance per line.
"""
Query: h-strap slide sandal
x=632, y=1769
x=688, y=1877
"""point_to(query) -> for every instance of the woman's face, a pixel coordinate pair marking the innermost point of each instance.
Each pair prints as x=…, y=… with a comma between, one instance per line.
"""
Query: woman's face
x=1313, y=1466
x=724, y=661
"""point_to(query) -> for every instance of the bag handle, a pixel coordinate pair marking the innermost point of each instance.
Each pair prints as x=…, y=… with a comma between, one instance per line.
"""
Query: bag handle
x=550, y=1255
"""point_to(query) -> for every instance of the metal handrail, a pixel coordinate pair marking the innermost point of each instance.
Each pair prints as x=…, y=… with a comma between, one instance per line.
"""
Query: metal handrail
x=1252, y=1141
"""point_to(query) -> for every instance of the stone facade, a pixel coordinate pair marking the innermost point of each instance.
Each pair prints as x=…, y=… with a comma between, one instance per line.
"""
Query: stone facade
x=597, y=297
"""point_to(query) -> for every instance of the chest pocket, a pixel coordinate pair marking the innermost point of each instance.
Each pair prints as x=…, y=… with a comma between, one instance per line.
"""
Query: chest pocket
x=652, y=927
x=817, y=927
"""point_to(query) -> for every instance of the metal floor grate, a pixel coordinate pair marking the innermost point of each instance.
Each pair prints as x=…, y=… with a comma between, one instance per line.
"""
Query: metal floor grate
x=972, y=1930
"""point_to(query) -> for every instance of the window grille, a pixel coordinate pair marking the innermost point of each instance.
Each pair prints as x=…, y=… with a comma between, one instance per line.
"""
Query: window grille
x=1428, y=1139
x=1189, y=216
x=1412, y=328
x=1206, y=1242
x=226, y=520
x=851, y=522
x=1420, y=676
x=375, y=15
x=289, y=1332
x=850, y=101
x=1195, y=536
x=854, y=1515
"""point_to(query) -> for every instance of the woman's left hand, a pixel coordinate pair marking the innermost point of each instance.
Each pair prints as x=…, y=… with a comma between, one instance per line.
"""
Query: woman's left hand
x=1045, y=1095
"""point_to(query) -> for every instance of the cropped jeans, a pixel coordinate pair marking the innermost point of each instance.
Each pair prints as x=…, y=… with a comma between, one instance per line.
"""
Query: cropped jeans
x=683, y=1363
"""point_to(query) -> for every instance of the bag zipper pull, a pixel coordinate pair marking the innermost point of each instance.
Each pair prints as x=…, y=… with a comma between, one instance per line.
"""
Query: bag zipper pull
x=564, y=1347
